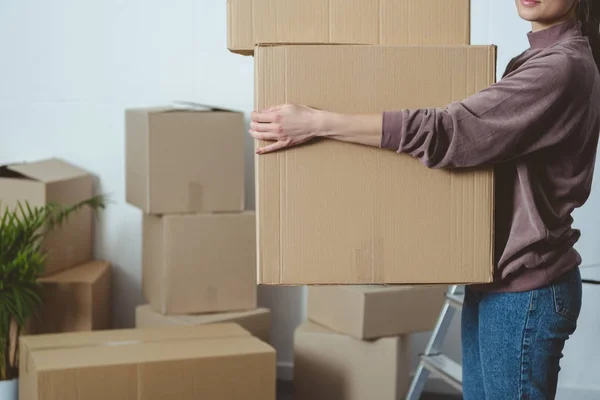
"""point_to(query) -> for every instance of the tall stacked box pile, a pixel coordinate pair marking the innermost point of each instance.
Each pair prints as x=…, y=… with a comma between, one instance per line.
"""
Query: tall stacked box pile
x=337, y=213
x=185, y=171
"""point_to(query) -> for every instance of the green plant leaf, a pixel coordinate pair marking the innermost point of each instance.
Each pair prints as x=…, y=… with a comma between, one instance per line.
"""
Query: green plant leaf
x=22, y=231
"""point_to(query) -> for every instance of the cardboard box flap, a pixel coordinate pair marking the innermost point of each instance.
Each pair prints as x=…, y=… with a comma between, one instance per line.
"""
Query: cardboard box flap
x=124, y=336
x=87, y=273
x=199, y=107
x=48, y=171
x=7, y=172
x=181, y=106
x=138, y=353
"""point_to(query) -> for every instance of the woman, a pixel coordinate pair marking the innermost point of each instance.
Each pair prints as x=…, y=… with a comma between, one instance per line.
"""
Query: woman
x=539, y=127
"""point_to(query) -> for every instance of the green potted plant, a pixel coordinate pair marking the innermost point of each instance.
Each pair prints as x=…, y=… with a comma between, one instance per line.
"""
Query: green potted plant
x=22, y=230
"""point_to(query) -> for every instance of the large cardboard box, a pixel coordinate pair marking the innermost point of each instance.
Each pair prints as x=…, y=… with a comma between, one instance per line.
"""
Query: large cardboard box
x=53, y=181
x=257, y=322
x=172, y=155
x=76, y=299
x=196, y=263
x=388, y=22
x=370, y=312
x=333, y=366
x=217, y=362
x=338, y=213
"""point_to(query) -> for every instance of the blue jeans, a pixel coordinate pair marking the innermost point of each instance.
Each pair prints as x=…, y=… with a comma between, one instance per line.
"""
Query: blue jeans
x=513, y=342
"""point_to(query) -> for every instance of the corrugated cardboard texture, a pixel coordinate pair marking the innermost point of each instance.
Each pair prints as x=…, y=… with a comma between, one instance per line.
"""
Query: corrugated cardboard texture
x=77, y=299
x=198, y=263
x=371, y=312
x=214, y=362
x=257, y=322
x=54, y=181
x=183, y=161
x=387, y=22
x=332, y=212
x=331, y=366
x=28, y=379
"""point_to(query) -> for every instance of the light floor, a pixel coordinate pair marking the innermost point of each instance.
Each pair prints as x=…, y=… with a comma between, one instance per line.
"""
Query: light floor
x=284, y=392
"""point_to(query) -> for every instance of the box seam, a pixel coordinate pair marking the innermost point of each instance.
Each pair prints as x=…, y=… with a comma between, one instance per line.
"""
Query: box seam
x=163, y=264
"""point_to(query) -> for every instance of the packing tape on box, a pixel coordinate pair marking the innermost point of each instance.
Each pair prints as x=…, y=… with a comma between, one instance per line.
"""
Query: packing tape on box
x=211, y=296
x=366, y=260
x=195, y=197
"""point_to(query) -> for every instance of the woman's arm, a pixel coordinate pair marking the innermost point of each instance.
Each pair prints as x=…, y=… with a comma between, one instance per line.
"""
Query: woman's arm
x=535, y=107
x=290, y=125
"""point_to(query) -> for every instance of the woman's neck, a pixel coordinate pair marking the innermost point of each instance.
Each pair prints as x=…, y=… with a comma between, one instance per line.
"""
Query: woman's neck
x=537, y=26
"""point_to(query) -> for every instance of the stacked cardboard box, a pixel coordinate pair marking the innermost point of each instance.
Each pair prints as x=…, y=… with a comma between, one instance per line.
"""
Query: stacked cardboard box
x=350, y=329
x=338, y=213
x=185, y=171
x=77, y=289
x=217, y=362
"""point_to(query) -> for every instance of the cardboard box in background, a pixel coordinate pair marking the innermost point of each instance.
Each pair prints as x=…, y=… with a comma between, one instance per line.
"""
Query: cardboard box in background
x=257, y=322
x=386, y=22
x=217, y=362
x=329, y=365
x=184, y=161
x=370, y=312
x=198, y=263
x=77, y=299
x=53, y=181
x=339, y=213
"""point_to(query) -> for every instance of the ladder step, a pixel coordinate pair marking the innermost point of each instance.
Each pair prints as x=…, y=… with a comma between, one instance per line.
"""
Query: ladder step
x=455, y=300
x=446, y=368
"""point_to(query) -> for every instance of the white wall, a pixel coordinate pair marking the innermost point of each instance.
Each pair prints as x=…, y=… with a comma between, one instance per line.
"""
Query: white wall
x=68, y=68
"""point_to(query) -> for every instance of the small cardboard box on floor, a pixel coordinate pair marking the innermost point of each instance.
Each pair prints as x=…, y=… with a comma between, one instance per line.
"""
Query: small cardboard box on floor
x=197, y=263
x=257, y=322
x=182, y=160
x=387, y=22
x=76, y=299
x=329, y=365
x=371, y=312
x=216, y=362
x=337, y=213
x=53, y=181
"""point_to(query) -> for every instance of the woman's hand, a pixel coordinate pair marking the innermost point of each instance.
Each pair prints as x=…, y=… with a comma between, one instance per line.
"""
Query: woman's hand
x=289, y=125
x=286, y=125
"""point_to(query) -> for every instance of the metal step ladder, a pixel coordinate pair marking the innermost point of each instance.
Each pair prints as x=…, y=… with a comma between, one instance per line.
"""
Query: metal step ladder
x=432, y=360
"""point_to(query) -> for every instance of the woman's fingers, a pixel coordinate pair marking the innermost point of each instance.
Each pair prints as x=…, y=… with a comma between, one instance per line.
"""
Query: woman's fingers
x=272, y=147
x=263, y=135
x=265, y=116
x=265, y=127
x=271, y=114
x=274, y=108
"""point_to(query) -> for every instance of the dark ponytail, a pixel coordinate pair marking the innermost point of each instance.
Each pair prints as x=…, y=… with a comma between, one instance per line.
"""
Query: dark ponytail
x=588, y=12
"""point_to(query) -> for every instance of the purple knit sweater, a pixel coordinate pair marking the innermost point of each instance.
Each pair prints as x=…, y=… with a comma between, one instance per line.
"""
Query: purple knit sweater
x=539, y=127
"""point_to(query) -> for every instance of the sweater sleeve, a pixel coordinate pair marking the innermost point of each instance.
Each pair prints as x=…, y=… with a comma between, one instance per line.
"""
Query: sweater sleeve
x=534, y=107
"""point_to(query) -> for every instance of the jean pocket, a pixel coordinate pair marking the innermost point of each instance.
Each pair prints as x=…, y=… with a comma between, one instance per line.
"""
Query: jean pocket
x=566, y=293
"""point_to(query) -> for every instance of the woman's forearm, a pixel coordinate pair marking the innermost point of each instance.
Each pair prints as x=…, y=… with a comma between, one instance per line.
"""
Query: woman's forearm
x=365, y=129
x=289, y=125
